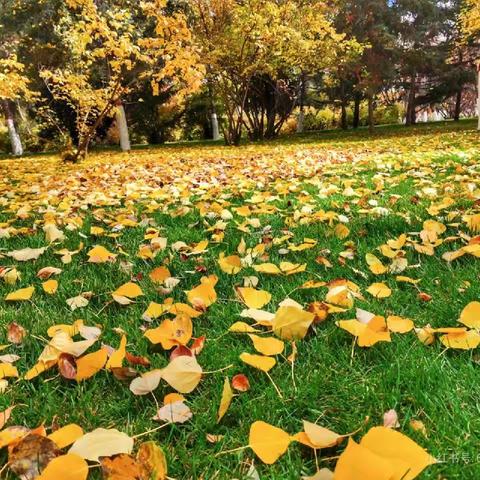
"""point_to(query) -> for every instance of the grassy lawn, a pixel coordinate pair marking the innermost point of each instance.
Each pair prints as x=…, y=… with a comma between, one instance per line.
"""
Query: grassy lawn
x=384, y=185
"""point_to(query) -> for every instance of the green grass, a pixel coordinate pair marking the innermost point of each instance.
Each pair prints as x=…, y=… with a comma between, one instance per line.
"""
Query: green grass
x=335, y=387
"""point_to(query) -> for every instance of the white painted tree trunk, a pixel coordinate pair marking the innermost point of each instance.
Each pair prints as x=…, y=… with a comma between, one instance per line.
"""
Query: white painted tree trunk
x=122, y=126
x=215, y=130
x=17, y=148
x=478, y=94
x=300, y=121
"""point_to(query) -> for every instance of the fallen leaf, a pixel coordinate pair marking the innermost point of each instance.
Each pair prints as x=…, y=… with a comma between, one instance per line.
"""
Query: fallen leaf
x=69, y=466
x=15, y=333
x=90, y=364
x=258, y=361
x=268, y=442
x=20, y=295
x=65, y=436
x=102, y=443
x=267, y=345
x=50, y=286
x=226, y=400
x=153, y=460
x=175, y=412
x=253, y=298
x=291, y=323
x=146, y=383
x=183, y=374
x=240, y=382
x=390, y=419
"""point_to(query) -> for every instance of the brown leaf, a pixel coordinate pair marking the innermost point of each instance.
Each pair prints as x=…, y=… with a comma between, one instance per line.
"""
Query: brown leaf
x=124, y=374
x=137, y=360
x=67, y=366
x=15, y=333
x=180, y=351
x=31, y=455
x=122, y=467
x=240, y=382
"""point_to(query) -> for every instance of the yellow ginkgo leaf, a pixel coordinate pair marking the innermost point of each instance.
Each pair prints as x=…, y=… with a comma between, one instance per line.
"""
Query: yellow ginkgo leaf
x=8, y=370
x=292, y=323
x=470, y=315
x=69, y=466
x=50, y=286
x=375, y=265
x=226, y=400
x=359, y=462
x=65, y=436
x=406, y=457
x=379, y=290
x=159, y=274
x=129, y=290
x=269, y=268
x=463, y=340
x=231, y=264
x=401, y=278
x=289, y=268
x=200, y=247
x=116, y=358
x=20, y=295
x=172, y=332
x=258, y=361
x=399, y=324
x=203, y=295
x=253, y=298
x=90, y=364
x=183, y=374
x=341, y=231
x=99, y=254
x=242, y=327
x=319, y=437
x=268, y=442
x=267, y=345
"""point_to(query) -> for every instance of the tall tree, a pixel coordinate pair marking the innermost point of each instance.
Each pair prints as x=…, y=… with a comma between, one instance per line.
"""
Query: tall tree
x=112, y=46
x=257, y=51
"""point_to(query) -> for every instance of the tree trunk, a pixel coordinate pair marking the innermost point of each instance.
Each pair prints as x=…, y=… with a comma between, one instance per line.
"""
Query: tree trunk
x=411, y=115
x=356, y=110
x=301, y=115
x=458, y=105
x=371, y=121
x=343, y=122
x=215, y=130
x=17, y=148
x=121, y=120
x=478, y=94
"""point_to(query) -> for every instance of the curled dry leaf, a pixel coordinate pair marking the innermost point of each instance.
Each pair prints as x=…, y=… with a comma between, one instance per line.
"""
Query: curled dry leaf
x=240, y=382
x=226, y=400
x=15, y=333
x=390, y=419
x=67, y=366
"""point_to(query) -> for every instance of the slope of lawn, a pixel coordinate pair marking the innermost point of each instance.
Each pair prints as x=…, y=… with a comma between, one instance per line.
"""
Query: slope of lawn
x=294, y=197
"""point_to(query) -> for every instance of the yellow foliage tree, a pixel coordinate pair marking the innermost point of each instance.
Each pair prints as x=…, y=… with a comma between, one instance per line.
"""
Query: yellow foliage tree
x=113, y=45
x=243, y=41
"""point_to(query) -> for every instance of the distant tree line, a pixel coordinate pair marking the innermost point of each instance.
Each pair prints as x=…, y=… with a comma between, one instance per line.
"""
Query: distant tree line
x=78, y=72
